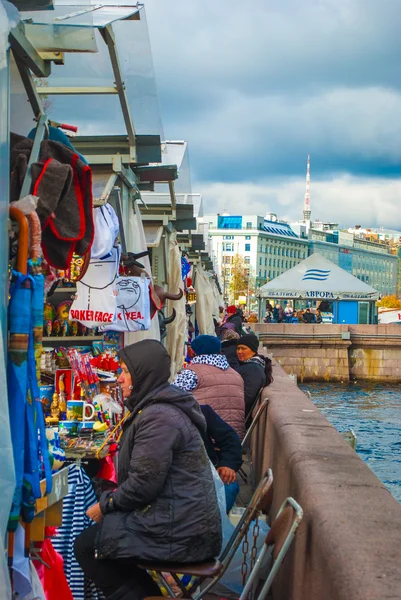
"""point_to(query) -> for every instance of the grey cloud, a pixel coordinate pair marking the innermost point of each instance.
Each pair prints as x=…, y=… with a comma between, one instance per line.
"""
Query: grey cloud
x=344, y=199
x=272, y=46
x=255, y=88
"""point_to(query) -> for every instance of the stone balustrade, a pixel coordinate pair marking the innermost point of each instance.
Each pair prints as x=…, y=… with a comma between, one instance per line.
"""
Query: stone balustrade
x=348, y=546
x=334, y=352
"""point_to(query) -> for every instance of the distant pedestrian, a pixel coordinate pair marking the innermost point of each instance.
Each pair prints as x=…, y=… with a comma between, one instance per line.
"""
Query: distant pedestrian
x=308, y=316
x=268, y=317
x=252, y=318
x=288, y=313
x=234, y=316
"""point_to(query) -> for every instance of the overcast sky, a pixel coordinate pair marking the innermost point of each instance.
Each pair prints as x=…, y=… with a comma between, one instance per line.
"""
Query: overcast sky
x=254, y=87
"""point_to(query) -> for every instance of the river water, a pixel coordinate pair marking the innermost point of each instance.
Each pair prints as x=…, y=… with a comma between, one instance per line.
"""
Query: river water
x=374, y=413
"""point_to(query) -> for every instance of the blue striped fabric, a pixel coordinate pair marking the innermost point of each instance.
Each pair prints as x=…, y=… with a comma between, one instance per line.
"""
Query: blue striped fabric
x=80, y=497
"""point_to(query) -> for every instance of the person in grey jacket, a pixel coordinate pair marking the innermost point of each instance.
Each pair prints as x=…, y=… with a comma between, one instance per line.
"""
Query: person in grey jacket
x=164, y=507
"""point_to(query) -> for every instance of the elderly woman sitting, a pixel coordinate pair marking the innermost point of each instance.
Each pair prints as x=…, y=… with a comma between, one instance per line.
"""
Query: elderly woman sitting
x=212, y=381
x=164, y=507
x=255, y=370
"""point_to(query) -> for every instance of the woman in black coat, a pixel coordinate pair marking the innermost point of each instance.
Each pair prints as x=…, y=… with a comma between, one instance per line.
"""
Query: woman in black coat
x=164, y=507
x=255, y=370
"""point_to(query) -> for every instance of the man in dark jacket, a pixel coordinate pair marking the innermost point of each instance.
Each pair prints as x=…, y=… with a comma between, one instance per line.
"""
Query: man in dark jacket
x=234, y=317
x=308, y=316
x=164, y=507
x=223, y=447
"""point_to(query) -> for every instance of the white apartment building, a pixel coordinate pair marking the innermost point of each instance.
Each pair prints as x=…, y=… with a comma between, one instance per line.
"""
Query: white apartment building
x=268, y=246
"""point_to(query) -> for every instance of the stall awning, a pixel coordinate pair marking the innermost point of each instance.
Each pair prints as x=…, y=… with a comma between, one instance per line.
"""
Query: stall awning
x=318, y=278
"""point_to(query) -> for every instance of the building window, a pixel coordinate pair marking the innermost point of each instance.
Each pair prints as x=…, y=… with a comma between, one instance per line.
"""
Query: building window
x=228, y=237
x=260, y=260
x=228, y=247
x=286, y=264
x=260, y=273
x=260, y=248
x=265, y=273
x=266, y=250
x=247, y=260
x=274, y=262
x=265, y=262
x=249, y=225
x=247, y=237
x=247, y=247
x=270, y=262
x=274, y=250
x=286, y=252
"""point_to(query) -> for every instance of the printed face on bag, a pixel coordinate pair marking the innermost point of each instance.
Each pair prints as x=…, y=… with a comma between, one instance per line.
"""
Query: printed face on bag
x=129, y=293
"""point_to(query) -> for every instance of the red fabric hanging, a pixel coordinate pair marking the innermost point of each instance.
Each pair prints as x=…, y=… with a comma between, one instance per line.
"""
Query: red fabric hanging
x=53, y=580
x=107, y=470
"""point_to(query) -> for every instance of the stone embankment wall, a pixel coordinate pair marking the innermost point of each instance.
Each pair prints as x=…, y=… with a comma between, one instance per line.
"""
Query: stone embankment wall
x=335, y=352
x=348, y=545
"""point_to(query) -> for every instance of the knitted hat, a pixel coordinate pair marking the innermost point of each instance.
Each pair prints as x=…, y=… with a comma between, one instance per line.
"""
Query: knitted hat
x=228, y=326
x=206, y=344
x=250, y=340
x=228, y=334
x=231, y=310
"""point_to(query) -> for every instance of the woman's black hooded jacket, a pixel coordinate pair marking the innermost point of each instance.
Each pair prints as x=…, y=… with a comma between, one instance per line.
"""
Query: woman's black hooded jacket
x=165, y=505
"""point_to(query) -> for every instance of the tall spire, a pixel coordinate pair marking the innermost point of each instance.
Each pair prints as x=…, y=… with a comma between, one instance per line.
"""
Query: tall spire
x=307, y=210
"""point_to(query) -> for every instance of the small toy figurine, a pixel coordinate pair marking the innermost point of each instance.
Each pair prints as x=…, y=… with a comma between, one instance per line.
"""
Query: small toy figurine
x=48, y=318
x=62, y=325
x=56, y=329
x=54, y=411
x=62, y=397
x=48, y=312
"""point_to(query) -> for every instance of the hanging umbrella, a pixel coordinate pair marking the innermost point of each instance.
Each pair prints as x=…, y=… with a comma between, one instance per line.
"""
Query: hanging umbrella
x=35, y=346
x=19, y=314
x=26, y=413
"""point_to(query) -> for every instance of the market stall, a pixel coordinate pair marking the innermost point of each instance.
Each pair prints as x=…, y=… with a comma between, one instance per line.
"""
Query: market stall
x=317, y=282
x=80, y=285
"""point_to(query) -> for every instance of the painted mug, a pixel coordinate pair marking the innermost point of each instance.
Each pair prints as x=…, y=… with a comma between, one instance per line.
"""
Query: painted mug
x=77, y=410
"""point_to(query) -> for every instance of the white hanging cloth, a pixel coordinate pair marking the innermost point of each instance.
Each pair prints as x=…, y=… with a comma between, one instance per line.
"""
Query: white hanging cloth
x=205, y=302
x=95, y=301
x=106, y=227
x=176, y=331
x=136, y=242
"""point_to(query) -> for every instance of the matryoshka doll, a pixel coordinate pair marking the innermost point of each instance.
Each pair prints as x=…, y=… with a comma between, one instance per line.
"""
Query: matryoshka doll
x=48, y=318
x=62, y=324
